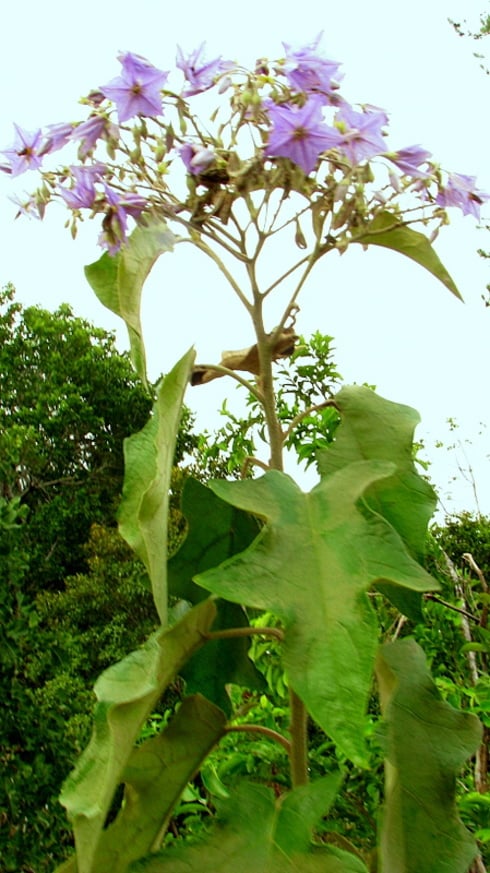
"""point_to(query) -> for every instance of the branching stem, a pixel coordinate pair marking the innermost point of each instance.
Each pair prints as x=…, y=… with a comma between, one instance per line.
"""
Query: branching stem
x=235, y=632
x=260, y=729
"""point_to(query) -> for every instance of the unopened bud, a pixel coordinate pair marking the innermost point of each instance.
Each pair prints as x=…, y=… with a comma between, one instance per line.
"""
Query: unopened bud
x=299, y=237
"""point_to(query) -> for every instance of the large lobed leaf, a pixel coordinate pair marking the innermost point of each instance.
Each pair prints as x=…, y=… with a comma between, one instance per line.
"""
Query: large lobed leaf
x=126, y=694
x=427, y=742
x=148, y=459
x=373, y=427
x=389, y=232
x=258, y=833
x=312, y=565
x=118, y=280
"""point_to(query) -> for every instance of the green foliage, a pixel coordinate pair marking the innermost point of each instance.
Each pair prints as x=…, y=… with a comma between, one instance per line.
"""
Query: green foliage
x=67, y=401
x=149, y=457
x=420, y=821
x=392, y=233
x=260, y=833
x=462, y=534
x=311, y=564
x=126, y=695
x=320, y=554
x=118, y=281
x=68, y=609
x=305, y=386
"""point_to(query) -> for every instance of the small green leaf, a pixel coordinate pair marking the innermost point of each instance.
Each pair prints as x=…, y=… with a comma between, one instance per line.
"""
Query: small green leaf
x=149, y=456
x=390, y=232
x=118, y=280
x=126, y=695
x=427, y=742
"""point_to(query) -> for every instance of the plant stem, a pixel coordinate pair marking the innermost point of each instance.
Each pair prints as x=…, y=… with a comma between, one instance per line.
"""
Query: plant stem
x=259, y=729
x=234, y=632
x=299, y=740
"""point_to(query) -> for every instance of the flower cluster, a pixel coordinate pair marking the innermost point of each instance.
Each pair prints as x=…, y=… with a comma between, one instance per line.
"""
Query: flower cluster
x=300, y=133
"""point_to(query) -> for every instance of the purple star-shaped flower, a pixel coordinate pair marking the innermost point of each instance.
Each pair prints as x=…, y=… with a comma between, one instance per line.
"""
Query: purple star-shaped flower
x=461, y=191
x=362, y=133
x=307, y=70
x=25, y=153
x=83, y=193
x=199, y=73
x=409, y=159
x=137, y=90
x=300, y=133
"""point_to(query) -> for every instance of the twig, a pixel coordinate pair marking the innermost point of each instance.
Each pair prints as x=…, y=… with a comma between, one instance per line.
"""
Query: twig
x=249, y=462
x=225, y=371
x=259, y=729
x=234, y=632
x=468, y=557
x=454, y=608
x=317, y=407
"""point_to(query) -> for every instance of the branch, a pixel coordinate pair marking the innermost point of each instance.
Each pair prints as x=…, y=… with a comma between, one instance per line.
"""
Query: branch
x=234, y=632
x=317, y=407
x=200, y=369
x=258, y=729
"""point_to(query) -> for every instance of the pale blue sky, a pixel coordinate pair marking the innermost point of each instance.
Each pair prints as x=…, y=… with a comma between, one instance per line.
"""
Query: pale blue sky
x=394, y=326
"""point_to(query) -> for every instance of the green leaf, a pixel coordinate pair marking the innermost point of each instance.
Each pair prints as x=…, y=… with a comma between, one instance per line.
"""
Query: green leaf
x=390, y=232
x=223, y=662
x=312, y=565
x=375, y=428
x=118, y=280
x=149, y=458
x=154, y=778
x=215, y=532
x=126, y=695
x=427, y=742
x=258, y=833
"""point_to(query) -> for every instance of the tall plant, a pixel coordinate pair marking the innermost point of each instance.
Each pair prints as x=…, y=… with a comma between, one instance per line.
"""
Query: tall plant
x=284, y=157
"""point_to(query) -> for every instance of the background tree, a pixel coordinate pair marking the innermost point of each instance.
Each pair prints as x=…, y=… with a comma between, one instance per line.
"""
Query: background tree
x=67, y=400
x=72, y=596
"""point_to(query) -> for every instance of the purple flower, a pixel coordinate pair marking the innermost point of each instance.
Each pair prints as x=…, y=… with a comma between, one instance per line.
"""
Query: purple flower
x=114, y=225
x=461, y=191
x=90, y=131
x=199, y=73
x=306, y=70
x=361, y=138
x=24, y=154
x=56, y=136
x=29, y=207
x=409, y=159
x=83, y=193
x=196, y=158
x=300, y=133
x=137, y=90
